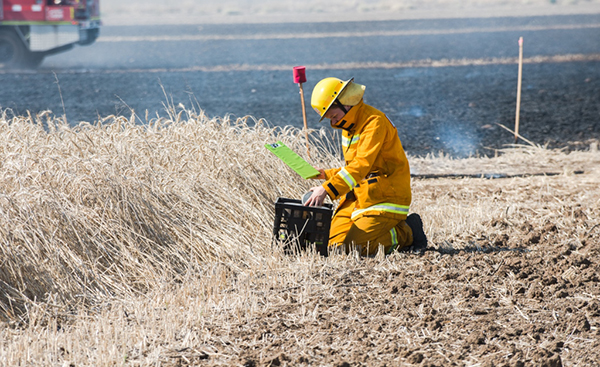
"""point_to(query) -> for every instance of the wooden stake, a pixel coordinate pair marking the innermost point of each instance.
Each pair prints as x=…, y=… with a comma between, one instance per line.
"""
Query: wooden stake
x=519, y=89
x=304, y=117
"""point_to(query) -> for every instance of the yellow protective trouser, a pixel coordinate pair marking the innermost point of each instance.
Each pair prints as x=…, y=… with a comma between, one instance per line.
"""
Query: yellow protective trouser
x=367, y=233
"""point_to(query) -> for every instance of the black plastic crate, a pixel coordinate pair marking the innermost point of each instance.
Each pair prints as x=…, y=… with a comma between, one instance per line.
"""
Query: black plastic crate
x=298, y=226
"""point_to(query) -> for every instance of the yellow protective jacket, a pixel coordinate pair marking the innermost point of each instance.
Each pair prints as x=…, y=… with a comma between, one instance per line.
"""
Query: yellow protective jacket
x=376, y=165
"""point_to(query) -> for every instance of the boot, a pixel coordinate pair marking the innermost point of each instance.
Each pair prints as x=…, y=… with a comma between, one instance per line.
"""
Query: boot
x=419, y=239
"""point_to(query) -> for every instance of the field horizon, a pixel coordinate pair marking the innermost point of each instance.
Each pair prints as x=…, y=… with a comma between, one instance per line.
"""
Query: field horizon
x=136, y=12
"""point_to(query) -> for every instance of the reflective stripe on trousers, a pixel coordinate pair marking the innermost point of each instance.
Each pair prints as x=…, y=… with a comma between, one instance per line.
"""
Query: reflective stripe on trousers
x=384, y=207
x=394, y=235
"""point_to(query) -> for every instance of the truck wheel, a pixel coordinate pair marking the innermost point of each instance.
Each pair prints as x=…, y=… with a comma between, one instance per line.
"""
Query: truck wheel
x=12, y=50
x=14, y=54
x=31, y=60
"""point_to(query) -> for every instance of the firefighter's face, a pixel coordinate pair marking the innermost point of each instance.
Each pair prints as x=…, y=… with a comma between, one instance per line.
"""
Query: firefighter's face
x=335, y=114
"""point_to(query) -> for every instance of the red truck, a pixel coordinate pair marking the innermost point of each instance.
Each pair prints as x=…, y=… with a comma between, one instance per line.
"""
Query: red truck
x=33, y=29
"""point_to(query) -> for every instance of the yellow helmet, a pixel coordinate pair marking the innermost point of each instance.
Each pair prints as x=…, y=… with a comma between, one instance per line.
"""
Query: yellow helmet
x=325, y=93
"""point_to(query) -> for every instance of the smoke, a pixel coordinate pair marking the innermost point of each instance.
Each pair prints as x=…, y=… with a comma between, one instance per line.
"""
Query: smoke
x=457, y=138
x=414, y=111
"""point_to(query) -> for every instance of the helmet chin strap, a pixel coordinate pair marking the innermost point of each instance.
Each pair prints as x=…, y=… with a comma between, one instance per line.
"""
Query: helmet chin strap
x=339, y=105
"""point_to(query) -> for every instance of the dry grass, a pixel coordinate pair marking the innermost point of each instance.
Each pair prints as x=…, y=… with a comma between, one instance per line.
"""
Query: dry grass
x=150, y=245
x=94, y=211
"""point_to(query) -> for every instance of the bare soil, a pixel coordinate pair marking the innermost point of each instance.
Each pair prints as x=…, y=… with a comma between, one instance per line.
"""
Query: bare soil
x=508, y=305
x=522, y=292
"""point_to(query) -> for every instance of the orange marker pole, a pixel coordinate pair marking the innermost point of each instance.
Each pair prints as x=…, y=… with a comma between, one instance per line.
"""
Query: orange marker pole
x=299, y=78
x=519, y=89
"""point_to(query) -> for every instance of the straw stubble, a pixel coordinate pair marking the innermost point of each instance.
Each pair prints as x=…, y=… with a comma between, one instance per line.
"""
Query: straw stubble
x=151, y=244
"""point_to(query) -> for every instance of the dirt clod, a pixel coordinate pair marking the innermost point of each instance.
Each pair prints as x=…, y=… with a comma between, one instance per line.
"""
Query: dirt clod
x=552, y=361
x=533, y=238
x=476, y=338
x=415, y=358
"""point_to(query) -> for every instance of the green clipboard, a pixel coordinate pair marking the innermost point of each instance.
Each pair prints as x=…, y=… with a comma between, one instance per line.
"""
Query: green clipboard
x=293, y=160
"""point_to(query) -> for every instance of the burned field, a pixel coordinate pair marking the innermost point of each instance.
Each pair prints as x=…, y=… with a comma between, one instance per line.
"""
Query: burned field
x=134, y=245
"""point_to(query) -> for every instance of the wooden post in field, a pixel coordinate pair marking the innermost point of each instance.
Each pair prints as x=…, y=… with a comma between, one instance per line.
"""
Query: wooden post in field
x=519, y=89
x=299, y=78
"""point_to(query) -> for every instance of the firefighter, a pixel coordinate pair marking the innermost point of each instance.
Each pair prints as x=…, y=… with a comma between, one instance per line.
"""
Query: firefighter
x=374, y=186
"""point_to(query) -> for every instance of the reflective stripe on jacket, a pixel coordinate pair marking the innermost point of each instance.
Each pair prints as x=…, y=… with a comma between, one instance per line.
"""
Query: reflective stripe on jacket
x=376, y=165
